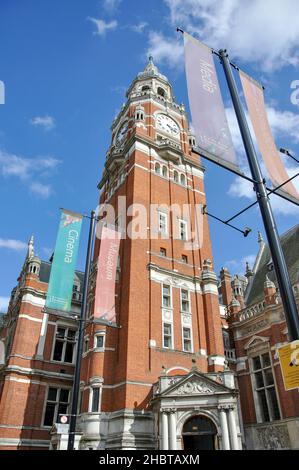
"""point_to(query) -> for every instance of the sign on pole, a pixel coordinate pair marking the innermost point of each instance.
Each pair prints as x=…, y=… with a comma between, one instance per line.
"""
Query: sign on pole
x=289, y=363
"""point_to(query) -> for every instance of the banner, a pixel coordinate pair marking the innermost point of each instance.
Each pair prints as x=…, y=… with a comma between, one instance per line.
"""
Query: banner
x=206, y=105
x=104, y=308
x=60, y=289
x=254, y=97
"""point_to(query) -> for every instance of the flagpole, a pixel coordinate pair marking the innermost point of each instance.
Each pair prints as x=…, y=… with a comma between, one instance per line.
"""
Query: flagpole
x=282, y=275
x=76, y=385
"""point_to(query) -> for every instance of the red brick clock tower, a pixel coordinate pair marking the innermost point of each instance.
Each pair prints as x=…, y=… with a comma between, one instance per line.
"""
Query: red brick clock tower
x=143, y=382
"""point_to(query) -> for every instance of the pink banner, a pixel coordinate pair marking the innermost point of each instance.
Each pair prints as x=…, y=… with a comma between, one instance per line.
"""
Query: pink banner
x=107, y=265
x=206, y=105
x=254, y=97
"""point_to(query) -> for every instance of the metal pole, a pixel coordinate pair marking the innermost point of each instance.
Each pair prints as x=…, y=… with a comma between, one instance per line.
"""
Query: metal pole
x=76, y=385
x=282, y=275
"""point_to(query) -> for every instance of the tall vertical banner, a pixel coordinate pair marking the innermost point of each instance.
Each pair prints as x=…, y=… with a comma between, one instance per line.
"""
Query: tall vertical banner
x=104, y=307
x=60, y=290
x=254, y=97
x=206, y=105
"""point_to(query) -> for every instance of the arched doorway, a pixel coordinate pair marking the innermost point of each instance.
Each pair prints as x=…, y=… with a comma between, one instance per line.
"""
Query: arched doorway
x=199, y=433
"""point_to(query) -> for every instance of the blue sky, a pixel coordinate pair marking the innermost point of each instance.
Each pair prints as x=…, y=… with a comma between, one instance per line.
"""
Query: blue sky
x=66, y=65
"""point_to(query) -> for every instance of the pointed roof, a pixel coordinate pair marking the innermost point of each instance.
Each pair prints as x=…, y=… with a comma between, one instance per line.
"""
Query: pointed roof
x=150, y=71
x=30, y=250
x=290, y=243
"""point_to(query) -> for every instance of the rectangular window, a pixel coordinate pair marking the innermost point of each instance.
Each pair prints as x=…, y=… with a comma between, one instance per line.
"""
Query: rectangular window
x=57, y=403
x=185, y=259
x=183, y=230
x=95, y=399
x=167, y=335
x=185, y=302
x=162, y=223
x=100, y=341
x=264, y=386
x=166, y=296
x=65, y=342
x=187, y=342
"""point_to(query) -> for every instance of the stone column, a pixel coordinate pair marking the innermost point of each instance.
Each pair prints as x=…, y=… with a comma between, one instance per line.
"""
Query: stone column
x=164, y=430
x=172, y=431
x=234, y=441
x=224, y=429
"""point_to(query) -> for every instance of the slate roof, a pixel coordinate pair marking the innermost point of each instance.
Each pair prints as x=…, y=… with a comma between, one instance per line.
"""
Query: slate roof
x=290, y=246
x=45, y=269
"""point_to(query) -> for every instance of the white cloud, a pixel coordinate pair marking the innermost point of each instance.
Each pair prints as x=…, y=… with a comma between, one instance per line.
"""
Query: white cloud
x=4, y=301
x=264, y=32
x=111, y=5
x=165, y=50
x=28, y=170
x=15, y=245
x=46, y=122
x=103, y=26
x=24, y=168
x=43, y=190
x=239, y=265
x=140, y=27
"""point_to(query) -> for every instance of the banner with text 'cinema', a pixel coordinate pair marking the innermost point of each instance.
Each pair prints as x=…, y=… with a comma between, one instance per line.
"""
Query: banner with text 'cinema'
x=104, y=308
x=254, y=97
x=60, y=290
x=206, y=105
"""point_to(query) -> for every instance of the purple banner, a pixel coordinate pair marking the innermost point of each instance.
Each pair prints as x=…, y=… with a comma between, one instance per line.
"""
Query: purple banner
x=206, y=105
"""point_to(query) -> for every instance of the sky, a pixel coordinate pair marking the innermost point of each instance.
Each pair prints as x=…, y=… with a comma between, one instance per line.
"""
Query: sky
x=66, y=66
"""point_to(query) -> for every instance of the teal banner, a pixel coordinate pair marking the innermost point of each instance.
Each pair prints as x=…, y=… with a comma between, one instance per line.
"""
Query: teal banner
x=60, y=290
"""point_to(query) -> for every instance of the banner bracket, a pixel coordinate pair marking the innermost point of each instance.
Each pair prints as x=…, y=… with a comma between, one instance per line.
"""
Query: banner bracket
x=245, y=232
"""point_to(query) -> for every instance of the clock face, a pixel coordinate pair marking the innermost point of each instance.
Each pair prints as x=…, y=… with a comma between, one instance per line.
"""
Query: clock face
x=166, y=124
x=122, y=133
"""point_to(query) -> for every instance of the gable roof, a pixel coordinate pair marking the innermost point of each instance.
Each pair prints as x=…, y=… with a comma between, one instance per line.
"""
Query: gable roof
x=195, y=383
x=290, y=247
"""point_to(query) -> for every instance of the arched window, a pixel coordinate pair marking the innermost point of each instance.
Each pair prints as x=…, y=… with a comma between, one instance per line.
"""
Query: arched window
x=157, y=168
x=164, y=171
x=145, y=88
x=175, y=177
x=161, y=92
x=183, y=180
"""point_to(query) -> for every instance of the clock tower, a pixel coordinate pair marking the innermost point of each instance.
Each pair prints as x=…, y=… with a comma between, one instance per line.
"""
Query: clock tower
x=164, y=364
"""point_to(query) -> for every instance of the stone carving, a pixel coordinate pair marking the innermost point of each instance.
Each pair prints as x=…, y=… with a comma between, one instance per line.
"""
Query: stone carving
x=274, y=437
x=193, y=388
x=257, y=326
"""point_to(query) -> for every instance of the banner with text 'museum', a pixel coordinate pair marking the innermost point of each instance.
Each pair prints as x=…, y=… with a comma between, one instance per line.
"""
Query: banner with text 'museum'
x=206, y=105
x=60, y=290
x=104, y=308
x=254, y=97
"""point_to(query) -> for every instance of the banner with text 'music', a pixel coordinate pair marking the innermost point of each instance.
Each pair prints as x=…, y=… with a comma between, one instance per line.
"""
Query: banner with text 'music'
x=104, y=308
x=254, y=97
x=206, y=105
x=60, y=290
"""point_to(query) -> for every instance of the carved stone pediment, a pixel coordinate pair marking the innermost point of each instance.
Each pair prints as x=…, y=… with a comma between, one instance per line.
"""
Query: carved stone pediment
x=195, y=384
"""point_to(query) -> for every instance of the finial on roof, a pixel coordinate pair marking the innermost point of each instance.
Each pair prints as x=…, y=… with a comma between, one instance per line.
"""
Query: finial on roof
x=151, y=59
x=249, y=272
x=268, y=283
x=260, y=238
x=30, y=252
